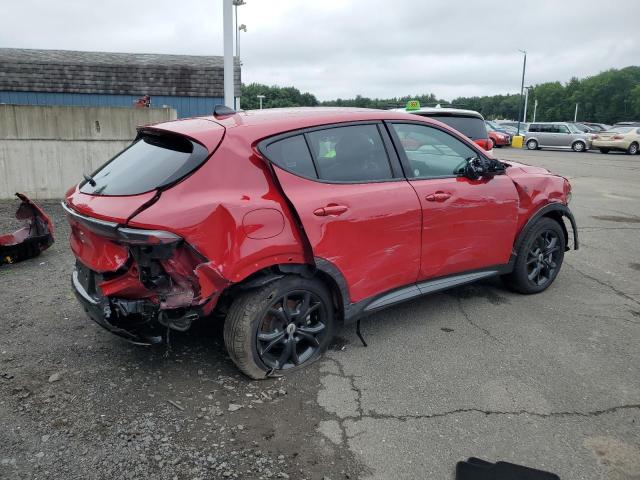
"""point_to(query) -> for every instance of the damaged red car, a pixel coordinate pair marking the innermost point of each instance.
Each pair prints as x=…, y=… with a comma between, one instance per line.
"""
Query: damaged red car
x=289, y=222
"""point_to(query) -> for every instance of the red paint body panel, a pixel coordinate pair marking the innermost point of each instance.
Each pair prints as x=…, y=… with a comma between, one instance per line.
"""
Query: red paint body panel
x=230, y=185
x=240, y=218
x=474, y=228
x=375, y=243
x=112, y=209
x=96, y=252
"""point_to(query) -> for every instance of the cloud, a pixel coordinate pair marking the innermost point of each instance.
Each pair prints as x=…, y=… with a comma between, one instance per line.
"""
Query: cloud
x=340, y=48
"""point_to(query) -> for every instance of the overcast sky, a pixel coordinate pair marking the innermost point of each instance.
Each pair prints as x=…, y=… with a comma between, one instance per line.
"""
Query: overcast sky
x=340, y=48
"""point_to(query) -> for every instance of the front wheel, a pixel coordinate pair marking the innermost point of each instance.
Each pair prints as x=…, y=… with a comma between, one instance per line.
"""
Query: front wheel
x=539, y=258
x=633, y=149
x=280, y=327
x=578, y=147
x=532, y=145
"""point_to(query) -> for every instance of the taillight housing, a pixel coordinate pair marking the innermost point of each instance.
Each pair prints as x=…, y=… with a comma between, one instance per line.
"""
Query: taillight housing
x=618, y=137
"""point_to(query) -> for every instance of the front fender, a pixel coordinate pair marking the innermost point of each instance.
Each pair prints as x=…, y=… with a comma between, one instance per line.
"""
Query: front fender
x=554, y=210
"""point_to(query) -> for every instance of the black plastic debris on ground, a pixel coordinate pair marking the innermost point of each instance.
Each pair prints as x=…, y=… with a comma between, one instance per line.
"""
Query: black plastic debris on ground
x=35, y=235
x=477, y=469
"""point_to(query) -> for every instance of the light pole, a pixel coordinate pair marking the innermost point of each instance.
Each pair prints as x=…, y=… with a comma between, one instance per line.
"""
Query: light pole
x=241, y=28
x=524, y=67
x=236, y=4
x=575, y=115
x=260, y=97
x=526, y=102
x=535, y=109
x=227, y=28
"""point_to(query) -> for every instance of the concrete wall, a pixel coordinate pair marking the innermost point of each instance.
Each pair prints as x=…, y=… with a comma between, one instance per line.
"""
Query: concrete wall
x=44, y=150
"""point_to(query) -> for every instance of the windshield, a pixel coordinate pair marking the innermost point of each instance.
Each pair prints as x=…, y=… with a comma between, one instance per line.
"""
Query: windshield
x=472, y=127
x=150, y=162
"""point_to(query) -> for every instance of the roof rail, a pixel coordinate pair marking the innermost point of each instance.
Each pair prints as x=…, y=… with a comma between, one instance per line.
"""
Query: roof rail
x=221, y=110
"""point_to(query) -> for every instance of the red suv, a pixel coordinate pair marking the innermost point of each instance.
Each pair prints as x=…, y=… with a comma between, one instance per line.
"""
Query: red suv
x=287, y=223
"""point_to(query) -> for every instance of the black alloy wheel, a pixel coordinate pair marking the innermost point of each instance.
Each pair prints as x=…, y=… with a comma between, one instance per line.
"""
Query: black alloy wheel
x=292, y=331
x=280, y=327
x=542, y=258
x=539, y=259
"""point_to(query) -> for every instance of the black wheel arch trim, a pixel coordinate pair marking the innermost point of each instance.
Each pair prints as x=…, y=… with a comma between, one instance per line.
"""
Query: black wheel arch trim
x=560, y=208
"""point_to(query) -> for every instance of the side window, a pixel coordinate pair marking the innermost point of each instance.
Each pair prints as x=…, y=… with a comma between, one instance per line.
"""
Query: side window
x=534, y=127
x=432, y=153
x=292, y=155
x=562, y=129
x=350, y=154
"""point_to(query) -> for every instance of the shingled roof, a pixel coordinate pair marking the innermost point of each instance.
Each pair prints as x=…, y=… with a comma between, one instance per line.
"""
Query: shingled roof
x=66, y=71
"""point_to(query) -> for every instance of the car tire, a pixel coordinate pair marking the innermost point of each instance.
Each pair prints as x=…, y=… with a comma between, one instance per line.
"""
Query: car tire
x=266, y=332
x=579, y=147
x=604, y=150
x=633, y=149
x=539, y=258
x=532, y=145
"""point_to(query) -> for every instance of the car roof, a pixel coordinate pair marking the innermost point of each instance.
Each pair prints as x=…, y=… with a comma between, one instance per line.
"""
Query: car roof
x=453, y=112
x=258, y=124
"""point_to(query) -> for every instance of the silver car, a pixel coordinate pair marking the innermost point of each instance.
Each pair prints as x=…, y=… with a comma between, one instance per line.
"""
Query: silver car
x=557, y=135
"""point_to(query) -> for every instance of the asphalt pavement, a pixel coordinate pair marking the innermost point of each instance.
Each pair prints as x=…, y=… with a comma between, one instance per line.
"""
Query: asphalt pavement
x=549, y=381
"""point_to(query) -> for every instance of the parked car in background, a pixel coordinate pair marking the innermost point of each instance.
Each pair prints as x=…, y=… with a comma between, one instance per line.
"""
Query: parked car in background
x=514, y=125
x=499, y=138
x=625, y=138
x=467, y=122
x=598, y=127
x=286, y=223
x=557, y=135
x=625, y=124
x=512, y=130
x=584, y=128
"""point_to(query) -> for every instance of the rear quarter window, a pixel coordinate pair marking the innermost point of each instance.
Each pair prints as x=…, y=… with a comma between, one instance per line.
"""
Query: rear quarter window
x=150, y=162
x=292, y=154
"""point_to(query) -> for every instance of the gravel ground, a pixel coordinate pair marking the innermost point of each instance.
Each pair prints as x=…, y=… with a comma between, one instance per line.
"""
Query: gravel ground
x=76, y=402
x=549, y=381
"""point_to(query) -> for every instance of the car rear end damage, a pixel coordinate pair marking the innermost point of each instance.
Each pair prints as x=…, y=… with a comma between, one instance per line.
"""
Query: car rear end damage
x=137, y=282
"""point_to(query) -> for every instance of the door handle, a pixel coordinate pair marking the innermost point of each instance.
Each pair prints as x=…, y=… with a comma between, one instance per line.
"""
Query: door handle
x=330, y=210
x=438, y=197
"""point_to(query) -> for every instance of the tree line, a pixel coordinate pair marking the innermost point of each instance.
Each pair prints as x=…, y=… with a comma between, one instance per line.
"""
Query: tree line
x=608, y=97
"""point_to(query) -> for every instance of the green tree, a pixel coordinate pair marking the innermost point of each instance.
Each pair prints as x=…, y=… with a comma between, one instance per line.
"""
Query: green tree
x=275, y=97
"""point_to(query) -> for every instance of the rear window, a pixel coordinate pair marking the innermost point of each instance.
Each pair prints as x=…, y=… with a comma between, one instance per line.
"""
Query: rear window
x=150, y=162
x=472, y=127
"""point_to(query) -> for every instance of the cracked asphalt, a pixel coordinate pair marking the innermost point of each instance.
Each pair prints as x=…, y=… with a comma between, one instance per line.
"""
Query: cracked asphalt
x=550, y=381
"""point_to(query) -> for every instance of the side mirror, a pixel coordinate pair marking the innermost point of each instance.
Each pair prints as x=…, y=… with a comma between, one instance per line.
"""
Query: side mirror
x=479, y=167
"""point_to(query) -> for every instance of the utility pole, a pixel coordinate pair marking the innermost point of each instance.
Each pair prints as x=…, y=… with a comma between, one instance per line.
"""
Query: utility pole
x=535, y=108
x=227, y=24
x=575, y=115
x=526, y=102
x=524, y=67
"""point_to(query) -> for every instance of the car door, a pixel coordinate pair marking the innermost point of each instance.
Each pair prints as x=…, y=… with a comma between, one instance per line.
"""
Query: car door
x=467, y=224
x=563, y=137
x=357, y=209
